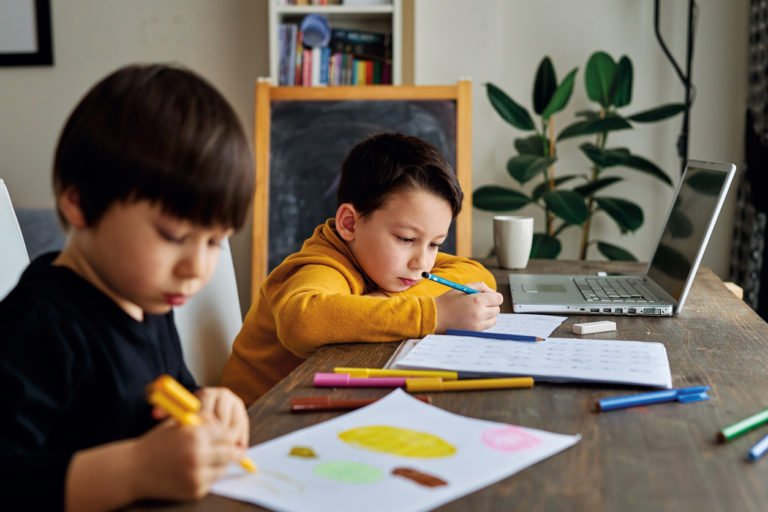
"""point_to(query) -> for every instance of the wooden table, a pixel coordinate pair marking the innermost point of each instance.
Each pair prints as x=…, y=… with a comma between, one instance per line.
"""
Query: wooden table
x=660, y=457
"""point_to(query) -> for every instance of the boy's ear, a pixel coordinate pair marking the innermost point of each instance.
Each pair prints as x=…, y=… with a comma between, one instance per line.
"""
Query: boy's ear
x=346, y=220
x=69, y=204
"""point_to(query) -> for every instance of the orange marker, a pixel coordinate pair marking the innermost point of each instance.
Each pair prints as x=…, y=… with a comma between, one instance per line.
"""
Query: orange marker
x=166, y=393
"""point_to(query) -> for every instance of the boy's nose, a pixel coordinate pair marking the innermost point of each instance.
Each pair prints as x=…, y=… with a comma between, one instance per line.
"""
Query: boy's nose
x=419, y=260
x=194, y=263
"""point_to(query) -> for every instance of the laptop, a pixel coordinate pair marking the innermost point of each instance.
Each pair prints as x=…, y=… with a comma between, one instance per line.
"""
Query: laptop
x=663, y=288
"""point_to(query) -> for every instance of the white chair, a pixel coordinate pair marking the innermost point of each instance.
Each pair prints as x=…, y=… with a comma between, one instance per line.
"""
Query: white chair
x=13, y=253
x=209, y=322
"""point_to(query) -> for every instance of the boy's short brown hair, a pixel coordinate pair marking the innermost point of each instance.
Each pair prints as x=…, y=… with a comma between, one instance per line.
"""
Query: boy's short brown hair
x=159, y=133
x=390, y=162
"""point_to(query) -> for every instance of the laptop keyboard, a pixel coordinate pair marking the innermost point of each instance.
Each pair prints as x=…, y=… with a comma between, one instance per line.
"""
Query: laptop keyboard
x=600, y=289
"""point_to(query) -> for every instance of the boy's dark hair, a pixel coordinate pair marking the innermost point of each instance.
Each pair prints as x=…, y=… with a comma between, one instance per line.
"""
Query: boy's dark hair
x=390, y=162
x=158, y=133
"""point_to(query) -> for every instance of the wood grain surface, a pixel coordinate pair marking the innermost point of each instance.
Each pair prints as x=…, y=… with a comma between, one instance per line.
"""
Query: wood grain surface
x=658, y=457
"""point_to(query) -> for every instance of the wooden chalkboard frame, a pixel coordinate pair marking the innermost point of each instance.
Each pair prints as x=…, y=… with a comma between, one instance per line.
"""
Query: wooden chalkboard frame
x=461, y=93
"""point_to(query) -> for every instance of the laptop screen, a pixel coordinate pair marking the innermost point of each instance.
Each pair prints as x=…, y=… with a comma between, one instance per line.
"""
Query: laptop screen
x=687, y=228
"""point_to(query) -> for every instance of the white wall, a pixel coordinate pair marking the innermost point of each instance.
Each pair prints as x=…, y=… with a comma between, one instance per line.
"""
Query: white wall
x=225, y=41
x=490, y=40
x=502, y=41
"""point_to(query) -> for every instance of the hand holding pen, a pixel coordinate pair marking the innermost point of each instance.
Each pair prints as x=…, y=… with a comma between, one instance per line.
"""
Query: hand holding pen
x=474, y=310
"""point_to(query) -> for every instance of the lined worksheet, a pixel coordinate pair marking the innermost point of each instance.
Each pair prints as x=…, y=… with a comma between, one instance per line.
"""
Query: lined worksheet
x=554, y=359
x=506, y=323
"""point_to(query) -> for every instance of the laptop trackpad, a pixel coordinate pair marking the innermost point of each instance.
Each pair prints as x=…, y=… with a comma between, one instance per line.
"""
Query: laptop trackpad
x=543, y=288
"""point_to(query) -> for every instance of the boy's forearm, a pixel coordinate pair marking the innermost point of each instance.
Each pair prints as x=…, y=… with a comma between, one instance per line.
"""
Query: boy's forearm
x=312, y=320
x=101, y=478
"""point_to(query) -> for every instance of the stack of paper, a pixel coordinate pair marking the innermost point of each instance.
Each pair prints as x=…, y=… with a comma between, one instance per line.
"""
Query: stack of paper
x=555, y=359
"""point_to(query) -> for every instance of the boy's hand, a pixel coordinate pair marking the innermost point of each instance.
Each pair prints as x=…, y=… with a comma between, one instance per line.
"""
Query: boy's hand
x=468, y=311
x=181, y=462
x=228, y=409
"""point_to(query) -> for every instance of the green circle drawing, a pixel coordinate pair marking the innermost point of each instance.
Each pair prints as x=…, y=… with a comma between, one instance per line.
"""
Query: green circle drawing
x=348, y=472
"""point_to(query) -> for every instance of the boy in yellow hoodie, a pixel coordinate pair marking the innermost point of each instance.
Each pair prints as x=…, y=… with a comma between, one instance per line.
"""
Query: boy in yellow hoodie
x=358, y=278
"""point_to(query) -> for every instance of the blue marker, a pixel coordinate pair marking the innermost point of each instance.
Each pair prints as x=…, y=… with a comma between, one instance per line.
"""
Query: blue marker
x=759, y=449
x=442, y=280
x=682, y=395
x=493, y=335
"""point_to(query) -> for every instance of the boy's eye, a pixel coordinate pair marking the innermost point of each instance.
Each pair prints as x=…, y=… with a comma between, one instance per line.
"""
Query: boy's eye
x=405, y=239
x=436, y=245
x=171, y=238
x=215, y=242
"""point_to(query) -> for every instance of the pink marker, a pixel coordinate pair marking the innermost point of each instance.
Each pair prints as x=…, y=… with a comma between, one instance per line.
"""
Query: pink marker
x=343, y=380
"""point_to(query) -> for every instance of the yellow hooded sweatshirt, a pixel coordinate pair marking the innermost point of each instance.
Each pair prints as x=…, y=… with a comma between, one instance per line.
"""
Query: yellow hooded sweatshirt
x=317, y=296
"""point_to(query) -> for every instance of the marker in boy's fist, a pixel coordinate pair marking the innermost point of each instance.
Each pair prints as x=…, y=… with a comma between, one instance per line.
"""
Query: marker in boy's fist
x=470, y=312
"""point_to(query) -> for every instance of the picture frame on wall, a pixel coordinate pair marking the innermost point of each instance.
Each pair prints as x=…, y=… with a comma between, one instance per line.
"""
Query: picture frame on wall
x=25, y=33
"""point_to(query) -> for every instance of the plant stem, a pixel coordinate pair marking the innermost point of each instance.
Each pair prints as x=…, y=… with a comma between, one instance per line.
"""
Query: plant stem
x=548, y=215
x=600, y=142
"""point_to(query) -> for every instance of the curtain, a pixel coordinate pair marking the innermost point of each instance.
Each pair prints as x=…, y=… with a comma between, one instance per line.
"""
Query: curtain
x=748, y=250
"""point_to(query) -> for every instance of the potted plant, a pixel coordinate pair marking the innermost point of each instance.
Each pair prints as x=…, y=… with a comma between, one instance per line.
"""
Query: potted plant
x=609, y=85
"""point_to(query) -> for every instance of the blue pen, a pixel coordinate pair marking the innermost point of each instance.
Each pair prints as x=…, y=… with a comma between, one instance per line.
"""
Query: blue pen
x=442, y=280
x=494, y=335
x=683, y=395
x=759, y=449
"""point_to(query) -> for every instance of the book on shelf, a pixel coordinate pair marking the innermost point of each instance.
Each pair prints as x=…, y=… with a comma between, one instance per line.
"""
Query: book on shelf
x=353, y=57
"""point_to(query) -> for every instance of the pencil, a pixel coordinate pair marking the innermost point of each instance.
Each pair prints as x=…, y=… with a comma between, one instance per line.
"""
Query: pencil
x=493, y=335
x=446, y=282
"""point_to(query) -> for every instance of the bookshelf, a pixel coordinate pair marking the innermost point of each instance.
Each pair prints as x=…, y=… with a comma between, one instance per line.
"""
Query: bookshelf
x=384, y=18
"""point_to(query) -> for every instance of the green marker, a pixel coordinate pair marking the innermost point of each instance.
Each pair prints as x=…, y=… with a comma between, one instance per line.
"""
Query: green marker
x=742, y=426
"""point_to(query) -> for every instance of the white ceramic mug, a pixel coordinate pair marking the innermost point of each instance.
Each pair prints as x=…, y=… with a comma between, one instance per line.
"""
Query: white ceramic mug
x=512, y=239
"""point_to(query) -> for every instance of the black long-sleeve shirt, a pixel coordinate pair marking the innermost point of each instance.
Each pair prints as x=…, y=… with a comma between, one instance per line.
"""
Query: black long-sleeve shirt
x=73, y=368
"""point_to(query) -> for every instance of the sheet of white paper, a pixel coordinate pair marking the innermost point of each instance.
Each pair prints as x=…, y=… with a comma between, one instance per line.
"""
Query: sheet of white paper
x=506, y=323
x=527, y=324
x=363, y=460
x=557, y=359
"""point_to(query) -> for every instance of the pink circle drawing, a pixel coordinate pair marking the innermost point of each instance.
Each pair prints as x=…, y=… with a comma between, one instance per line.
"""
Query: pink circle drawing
x=509, y=439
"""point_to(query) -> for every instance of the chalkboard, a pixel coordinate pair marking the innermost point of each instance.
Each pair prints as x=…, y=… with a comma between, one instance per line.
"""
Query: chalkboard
x=309, y=137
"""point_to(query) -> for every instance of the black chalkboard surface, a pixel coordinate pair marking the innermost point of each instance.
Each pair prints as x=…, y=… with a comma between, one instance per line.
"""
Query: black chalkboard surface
x=303, y=134
x=309, y=141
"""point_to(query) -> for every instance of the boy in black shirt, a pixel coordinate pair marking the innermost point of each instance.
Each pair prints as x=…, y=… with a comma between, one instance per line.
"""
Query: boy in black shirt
x=152, y=172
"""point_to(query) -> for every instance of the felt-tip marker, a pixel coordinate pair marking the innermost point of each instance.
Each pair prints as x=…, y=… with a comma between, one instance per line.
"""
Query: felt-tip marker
x=326, y=403
x=446, y=282
x=167, y=394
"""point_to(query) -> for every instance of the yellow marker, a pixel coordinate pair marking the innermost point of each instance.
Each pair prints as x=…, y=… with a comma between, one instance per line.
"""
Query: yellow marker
x=381, y=372
x=166, y=393
x=415, y=385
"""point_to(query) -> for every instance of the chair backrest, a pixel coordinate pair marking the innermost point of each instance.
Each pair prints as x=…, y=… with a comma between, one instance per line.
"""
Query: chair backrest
x=13, y=254
x=209, y=322
x=302, y=135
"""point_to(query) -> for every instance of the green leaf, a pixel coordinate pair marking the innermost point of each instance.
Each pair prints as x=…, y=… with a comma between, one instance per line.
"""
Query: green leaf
x=524, y=167
x=658, y=113
x=590, y=188
x=706, y=182
x=622, y=84
x=498, y=199
x=598, y=78
x=641, y=164
x=566, y=204
x=510, y=111
x=614, y=252
x=532, y=145
x=588, y=114
x=590, y=127
x=544, y=86
x=545, y=246
x=605, y=157
x=627, y=214
x=544, y=186
x=561, y=96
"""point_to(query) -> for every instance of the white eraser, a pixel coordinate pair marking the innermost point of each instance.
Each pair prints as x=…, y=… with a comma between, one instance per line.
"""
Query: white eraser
x=592, y=327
